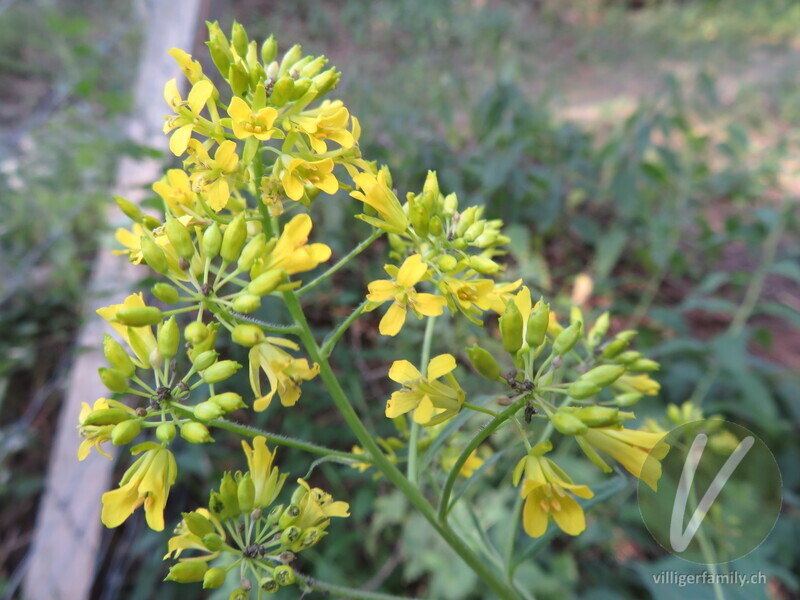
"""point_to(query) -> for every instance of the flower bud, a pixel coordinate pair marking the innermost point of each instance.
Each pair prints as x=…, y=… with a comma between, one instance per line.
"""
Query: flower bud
x=274, y=514
x=289, y=516
x=125, y=432
x=290, y=535
x=447, y=262
x=197, y=523
x=282, y=91
x=138, y=316
x=583, y=389
x=212, y=541
x=228, y=401
x=486, y=239
x=228, y=492
x=613, y=349
x=604, y=375
x=568, y=424
x=484, y=362
x=155, y=359
x=269, y=50
x=643, y=365
x=212, y=241
x=474, y=230
x=246, y=303
x=511, y=327
x=435, y=227
x=238, y=78
x=284, y=575
x=239, y=39
x=483, y=265
x=326, y=81
x=195, y=332
x=247, y=335
x=153, y=255
x=599, y=329
x=117, y=357
x=113, y=379
x=165, y=292
x=291, y=56
x=129, y=209
x=107, y=416
x=538, y=321
x=214, y=578
x=195, y=433
x=597, y=416
x=566, y=340
x=629, y=399
x=628, y=357
x=253, y=249
x=180, y=238
x=266, y=282
x=206, y=411
x=233, y=239
x=246, y=492
x=187, y=572
x=204, y=360
x=220, y=371
x=165, y=433
x=168, y=338
x=314, y=67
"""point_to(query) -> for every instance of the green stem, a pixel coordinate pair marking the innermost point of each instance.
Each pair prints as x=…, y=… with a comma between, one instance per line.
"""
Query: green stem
x=341, y=591
x=384, y=465
x=485, y=432
x=413, y=440
x=333, y=336
x=342, y=262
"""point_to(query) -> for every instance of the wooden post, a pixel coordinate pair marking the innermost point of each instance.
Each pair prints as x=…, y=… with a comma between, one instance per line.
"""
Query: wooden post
x=61, y=561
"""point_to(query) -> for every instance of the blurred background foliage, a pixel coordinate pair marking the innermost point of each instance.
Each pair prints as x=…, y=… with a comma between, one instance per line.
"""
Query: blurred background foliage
x=650, y=145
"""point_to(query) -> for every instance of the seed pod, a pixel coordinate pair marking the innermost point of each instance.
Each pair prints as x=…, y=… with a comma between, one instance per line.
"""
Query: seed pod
x=266, y=283
x=113, y=380
x=187, y=571
x=604, y=375
x=568, y=424
x=597, y=416
x=537, y=325
x=195, y=332
x=165, y=292
x=511, y=327
x=138, y=316
x=566, y=340
x=484, y=362
x=168, y=338
x=220, y=371
x=246, y=303
x=247, y=335
x=179, y=237
x=153, y=255
x=125, y=432
x=214, y=578
x=583, y=389
x=165, y=433
x=117, y=357
x=195, y=433
x=206, y=411
x=233, y=239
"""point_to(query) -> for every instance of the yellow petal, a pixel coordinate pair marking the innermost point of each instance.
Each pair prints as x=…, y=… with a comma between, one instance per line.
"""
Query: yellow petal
x=534, y=518
x=569, y=516
x=393, y=320
x=424, y=411
x=403, y=371
x=380, y=290
x=429, y=305
x=201, y=92
x=179, y=140
x=440, y=365
x=401, y=402
x=412, y=271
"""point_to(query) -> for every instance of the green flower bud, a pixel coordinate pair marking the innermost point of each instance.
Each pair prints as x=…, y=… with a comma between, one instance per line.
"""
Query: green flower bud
x=599, y=329
x=314, y=67
x=220, y=371
x=168, y=338
x=220, y=57
x=447, y=262
x=538, y=321
x=511, y=327
x=628, y=357
x=129, y=209
x=643, y=365
x=583, y=389
x=138, y=316
x=195, y=433
x=420, y=219
x=269, y=50
x=629, y=399
x=113, y=379
x=165, y=292
x=604, y=375
x=195, y=332
x=485, y=240
x=597, y=416
x=125, y=432
x=117, y=357
x=566, y=340
x=153, y=255
x=165, y=433
x=212, y=541
x=214, y=578
x=568, y=424
x=208, y=343
x=204, y=360
x=107, y=416
x=239, y=39
x=326, y=81
x=266, y=282
x=228, y=401
x=613, y=349
x=484, y=265
x=274, y=514
x=229, y=493
x=238, y=78
x=212, y=241
x=484, y=362
x=474, y=230
x=289, y=516
x=247, y=335
x=217, y=507
x=269, y=585
x=282, y=91
x=233, y=239
x=291, y=56
x=187, y=572
x=179, y=237
x=206, y=411
x=290, y=535
x=197, y=523
x=460, y=244
x=253, y=249
x=246, y=493
x=284, y=575
x=246, y=303
x=435, y=226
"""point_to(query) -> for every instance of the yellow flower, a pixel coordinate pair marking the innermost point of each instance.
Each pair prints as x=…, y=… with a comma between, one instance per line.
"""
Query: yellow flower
x=328, y=122
x=472, y=464
x=246, y=121
x=212, y=176
x=176, y=191
x=292, y=252
x=132, y=240
x=300, y=172
x=629, y=447
x=377, y=194
x=317, y=507
x=473, y=296
x=432, y=401
x=190, y=68
x=546, y=489
x=140, y=339
x=95, y=435
x=284, y=372
x=186, y=540
x=403, y=295
x=185, y=121
x=267, y=479
x=147, y=482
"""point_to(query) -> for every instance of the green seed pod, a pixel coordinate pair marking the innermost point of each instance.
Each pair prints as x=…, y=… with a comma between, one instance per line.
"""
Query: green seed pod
x=484, y=362
x=566, y=340
x=195, y=332
x=138, y=316
x=169, y=337
x=212, y=541
x=282, y=91
x=220, y=371
x=180, y=238
x=129, y=209
x=269, y=50
x=165, y=433
x=597, y=416
x=212, y=241
x=643, y=365
x=266, y=283
x=204, y=360
x=197, y=523
x=214, y=578
x=125, y=432
x=107, y=416
x=247, y=335
x=511, y=327
x=253, y=250
x=113, y=380
x=447, y=262
x=153, y=255
x=228, y=401
x=117, y=357
x=195, y=433
x=629, y=399
x=246, y=303
x=228, y=492
x=165, y=292
x=604, y=375
x=284, y=575
x=206, y=411
x=246, y=493
x=289, y=516
x=187, y=572
x=583, y=389
x=233, y=239
x=568, y=424
x=483, y=265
